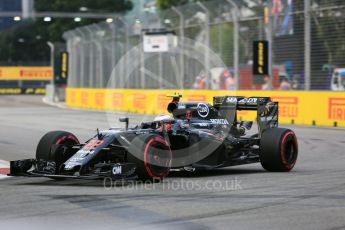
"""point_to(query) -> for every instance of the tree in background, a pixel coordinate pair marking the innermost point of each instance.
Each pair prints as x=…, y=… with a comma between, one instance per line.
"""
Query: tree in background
x=326, y=26
x=221, y=35
x=26, y=42
x=23, y=45
x=165, y=4
x=60, y=25
x=222, y=42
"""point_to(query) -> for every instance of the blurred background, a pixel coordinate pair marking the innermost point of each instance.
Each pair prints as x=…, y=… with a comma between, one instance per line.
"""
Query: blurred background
x=151, y=44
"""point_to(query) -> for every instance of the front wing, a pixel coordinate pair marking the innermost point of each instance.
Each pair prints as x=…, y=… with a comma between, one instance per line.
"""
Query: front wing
x=43, y=168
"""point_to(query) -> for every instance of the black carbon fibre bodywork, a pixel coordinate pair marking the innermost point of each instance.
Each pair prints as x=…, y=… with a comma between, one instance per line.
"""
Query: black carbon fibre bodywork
x=200, y=135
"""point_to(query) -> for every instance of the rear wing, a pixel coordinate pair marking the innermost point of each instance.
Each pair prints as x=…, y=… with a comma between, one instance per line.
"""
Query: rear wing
x=267, y=111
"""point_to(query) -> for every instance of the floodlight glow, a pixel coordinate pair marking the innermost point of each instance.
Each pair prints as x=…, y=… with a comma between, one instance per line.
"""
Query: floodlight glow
x=17, y=18
x=47, y=19
x=109, y=20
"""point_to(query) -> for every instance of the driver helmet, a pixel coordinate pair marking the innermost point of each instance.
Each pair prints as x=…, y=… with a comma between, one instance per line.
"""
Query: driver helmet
x=162, y=117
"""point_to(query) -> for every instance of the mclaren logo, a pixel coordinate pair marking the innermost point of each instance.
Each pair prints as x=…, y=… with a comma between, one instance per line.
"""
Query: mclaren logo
x=203, y=110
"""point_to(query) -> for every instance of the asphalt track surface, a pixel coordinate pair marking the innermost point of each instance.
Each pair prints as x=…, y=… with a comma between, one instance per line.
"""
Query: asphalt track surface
x=312, y=196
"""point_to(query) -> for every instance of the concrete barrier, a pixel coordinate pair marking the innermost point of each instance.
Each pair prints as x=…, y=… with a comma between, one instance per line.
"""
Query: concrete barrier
x=295, y=107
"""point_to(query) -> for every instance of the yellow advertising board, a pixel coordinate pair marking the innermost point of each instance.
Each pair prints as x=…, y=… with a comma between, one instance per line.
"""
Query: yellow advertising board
x=20, y=73
x=295, y=107
x=23, y=90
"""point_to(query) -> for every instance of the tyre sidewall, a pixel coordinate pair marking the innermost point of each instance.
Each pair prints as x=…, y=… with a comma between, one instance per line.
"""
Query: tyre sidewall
x=272, y=147
x=50, y=146
x=138, y=153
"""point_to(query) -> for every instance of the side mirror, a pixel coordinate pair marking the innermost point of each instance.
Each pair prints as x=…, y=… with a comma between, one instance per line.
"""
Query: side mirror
x=124, y=119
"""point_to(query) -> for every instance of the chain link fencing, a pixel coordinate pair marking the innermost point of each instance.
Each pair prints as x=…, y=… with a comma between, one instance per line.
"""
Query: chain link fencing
x=211, y=47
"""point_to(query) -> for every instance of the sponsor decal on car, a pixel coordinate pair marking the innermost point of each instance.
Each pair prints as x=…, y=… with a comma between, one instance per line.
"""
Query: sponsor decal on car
x=181, y=106
x=219, y=121
x=93, y=144
x=117, y=170
x=202, y=109
x=231, y=100
x=248, y=101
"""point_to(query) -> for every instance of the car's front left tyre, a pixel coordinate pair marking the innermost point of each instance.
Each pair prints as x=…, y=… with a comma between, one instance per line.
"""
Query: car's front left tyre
x=54, y=146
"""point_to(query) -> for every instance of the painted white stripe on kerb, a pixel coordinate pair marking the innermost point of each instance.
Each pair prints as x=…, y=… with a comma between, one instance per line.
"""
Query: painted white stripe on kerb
x=4, y=165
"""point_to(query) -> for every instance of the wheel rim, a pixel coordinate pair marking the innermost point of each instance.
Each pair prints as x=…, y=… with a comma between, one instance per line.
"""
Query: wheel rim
x=69, y=140
x=157, y=158
x=289, y=150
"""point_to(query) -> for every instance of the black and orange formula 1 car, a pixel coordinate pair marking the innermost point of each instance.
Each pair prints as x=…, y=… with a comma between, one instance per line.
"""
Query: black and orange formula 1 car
x=194, y=135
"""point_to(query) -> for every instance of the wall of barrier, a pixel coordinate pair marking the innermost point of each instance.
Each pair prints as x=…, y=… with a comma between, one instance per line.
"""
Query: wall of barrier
x=17, y=90
x=24, y=79
x=295, y=107
x=23, y=73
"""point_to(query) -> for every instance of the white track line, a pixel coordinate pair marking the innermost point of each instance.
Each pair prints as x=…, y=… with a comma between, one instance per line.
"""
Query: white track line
x=60, y=105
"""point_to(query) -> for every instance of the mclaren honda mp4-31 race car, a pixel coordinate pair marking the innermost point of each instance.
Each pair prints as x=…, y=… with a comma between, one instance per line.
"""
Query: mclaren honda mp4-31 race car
x=195, y=135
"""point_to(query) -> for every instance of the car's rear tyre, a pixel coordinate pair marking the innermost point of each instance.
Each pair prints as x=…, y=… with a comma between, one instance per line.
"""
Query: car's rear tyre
x=152, y=156
x=278, y=150
x=53, y=146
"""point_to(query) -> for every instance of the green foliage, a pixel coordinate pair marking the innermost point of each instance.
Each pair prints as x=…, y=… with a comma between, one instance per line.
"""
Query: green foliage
x=23, y=44
x=91, y=5
x=35, y=34
x=60, y=25
x=222, y=42
x=327, y=35
x=221, y=35
x=165, y=4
